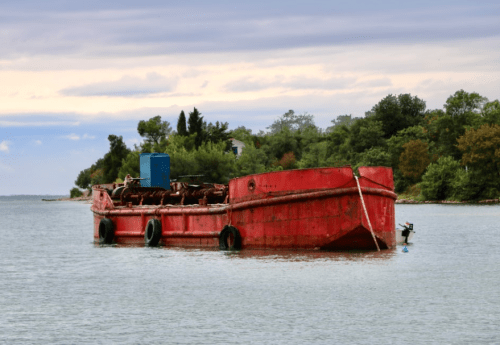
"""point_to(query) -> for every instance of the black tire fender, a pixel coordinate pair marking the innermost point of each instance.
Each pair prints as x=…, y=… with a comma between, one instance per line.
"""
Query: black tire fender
x=229, y=232
x=106, y=231
x=152, y=233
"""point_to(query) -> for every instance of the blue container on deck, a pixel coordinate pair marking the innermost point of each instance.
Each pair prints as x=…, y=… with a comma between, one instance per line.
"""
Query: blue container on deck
x=155, y=170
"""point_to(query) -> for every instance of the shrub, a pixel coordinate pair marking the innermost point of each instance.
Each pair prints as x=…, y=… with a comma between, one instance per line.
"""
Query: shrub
x=375, y=156
x=214, y=162
x=437, y=181
x=75, y=193
x=401, y=183
x=251, y=161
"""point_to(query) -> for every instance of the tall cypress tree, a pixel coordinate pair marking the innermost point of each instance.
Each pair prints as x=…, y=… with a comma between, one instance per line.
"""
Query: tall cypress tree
x=181, y=124
x=195, y=125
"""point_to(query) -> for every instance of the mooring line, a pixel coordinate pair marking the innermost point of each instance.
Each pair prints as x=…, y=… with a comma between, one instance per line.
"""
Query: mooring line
x=366, y=213
x=230, y=214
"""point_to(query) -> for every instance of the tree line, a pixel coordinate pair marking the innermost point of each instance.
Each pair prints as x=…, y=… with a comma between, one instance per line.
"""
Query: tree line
x=451, y=153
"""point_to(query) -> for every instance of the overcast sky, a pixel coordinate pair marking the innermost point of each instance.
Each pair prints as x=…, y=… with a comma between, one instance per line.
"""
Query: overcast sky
x=71, y=73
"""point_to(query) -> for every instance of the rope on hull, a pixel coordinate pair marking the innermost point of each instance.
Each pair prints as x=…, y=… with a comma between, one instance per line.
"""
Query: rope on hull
x=366, y=213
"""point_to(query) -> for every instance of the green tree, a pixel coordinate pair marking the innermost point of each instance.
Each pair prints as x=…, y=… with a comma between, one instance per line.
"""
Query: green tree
x=213, y=162
x=312, y=147
x=369, y=113
x=251, y=161
x=365, y=134
x=463, y=110
x=291, y=121
x=491, y=113
x=177, y=141
x=182, y=162
x=210, y=160
x=154, y=130
x=471, y=185
x=481, y=150
x=181, y=124
x=338, y=149
x=437, y=181
x=315, y=156
x=195, y=125
x=130, y=165
x=243, y=134
x=75, y=193
x=412, y=109
x=217, y=133
x=83, y=179
x=280, y=143
x=396, y=147
x=375, y=156
x=96, y=173
x=342, y=120
x=112, y=161
x=97, y=177
x=397, y=113
x=395, y=143
x=309, y=136
x=463, y=103
x=441, y=130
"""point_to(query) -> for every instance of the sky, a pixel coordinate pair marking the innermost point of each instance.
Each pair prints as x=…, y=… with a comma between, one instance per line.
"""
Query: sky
x=71, y=73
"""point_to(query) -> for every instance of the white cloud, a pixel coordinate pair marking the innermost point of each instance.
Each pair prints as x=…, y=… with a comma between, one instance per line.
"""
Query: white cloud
x=7, y=123
x=294, y=83
x=324, y=81
x=127, y=86
x=4, y=146
x=75, y=137
x=72, y=136
x=38, y=142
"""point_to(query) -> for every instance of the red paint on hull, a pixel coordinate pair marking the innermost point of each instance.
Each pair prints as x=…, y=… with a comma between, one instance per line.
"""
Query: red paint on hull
x=306, y=209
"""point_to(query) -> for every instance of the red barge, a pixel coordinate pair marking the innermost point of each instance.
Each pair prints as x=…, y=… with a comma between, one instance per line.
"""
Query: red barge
x=321, y=208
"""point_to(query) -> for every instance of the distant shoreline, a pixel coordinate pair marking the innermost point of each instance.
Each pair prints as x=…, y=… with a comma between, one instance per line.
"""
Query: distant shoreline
x=80, y=198
x=399, y=201
x=410, y=201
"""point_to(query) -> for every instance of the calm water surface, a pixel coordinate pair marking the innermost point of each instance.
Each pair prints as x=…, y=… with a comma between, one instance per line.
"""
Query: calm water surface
x=57, y=287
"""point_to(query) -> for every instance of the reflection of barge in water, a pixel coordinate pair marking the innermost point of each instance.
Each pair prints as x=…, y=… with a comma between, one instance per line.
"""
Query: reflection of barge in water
x=309, y=208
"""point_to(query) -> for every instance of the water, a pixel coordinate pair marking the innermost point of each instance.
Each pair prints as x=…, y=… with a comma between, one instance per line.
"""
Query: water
x=57, y=287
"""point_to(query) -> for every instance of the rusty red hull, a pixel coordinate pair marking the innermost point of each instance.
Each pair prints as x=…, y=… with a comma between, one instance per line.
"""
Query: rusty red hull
x=296, y=209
